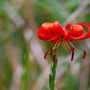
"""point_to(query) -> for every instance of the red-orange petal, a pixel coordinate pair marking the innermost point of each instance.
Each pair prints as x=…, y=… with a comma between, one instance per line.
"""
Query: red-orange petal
x=50, y=32
x=84, y=36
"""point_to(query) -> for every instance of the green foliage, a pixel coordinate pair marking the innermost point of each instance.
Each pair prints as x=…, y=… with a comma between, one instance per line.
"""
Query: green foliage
x=71, y=82
x=26, y=66
x=44, y=11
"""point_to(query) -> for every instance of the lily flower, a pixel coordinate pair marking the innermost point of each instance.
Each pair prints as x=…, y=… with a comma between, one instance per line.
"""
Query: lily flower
x=58, y=34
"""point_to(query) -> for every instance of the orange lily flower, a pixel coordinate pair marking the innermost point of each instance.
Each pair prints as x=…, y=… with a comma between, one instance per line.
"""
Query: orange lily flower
x=57, y=34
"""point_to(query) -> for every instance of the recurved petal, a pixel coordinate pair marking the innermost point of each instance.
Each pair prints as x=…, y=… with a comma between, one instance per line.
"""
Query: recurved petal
x=87, y=35
x=75, y=30
x=82, y=35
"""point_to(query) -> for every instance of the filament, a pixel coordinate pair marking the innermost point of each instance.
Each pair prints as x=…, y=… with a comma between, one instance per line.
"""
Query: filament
x=75, y=47
x=84, y=52
x=56, y=45
x=51, y=49
x=65, y=45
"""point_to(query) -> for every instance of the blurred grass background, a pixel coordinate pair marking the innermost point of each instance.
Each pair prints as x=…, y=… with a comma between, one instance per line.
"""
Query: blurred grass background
x=22, y=66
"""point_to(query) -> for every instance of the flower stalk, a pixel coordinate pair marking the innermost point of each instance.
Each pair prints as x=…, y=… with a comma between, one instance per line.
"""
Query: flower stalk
x=52, y=75
x=62, y=35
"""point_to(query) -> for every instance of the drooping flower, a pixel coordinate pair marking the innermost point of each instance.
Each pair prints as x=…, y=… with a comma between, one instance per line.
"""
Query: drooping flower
x=58, y=34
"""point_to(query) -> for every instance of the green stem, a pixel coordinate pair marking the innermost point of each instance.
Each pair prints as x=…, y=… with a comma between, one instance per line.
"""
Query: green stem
x=25, y=61
x=52, y=75
x=26, y=66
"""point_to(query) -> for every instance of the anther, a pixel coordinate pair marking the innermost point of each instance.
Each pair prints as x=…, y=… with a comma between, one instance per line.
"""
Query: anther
x=84, y=54
x=45, y=55
x=72, y=56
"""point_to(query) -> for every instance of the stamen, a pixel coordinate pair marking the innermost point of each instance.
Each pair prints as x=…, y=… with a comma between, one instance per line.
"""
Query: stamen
x=73, y=46
x=45, y=55
x=84, y=55
x=56, y=48
x=65, y=45
x=72, y=56
x=51, y=49
x=56, y=45
x=84, y=52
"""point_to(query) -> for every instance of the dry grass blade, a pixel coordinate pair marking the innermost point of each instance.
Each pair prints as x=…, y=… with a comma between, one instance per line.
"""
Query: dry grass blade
x=78, y=11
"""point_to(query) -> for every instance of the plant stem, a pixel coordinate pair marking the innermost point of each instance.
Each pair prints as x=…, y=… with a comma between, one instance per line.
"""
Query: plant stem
x=26, y=65
x=52, y=75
